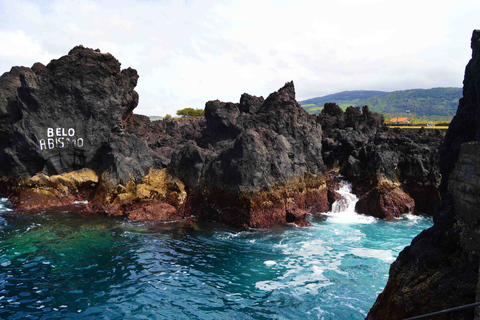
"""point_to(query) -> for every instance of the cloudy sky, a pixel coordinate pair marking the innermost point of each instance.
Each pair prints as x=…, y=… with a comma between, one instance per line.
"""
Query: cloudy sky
x=188, y=52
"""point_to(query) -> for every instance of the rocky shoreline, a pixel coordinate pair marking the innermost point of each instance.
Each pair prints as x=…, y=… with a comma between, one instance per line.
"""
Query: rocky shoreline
x=68, y=135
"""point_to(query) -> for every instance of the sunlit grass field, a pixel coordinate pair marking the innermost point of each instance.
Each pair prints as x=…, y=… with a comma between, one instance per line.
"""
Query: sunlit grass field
x=420, y=126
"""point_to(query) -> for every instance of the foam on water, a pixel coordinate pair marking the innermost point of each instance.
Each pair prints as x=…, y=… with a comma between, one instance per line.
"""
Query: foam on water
x=4, y=205
x=384, y=255
x=80, y=202
x=343, y=209
x=270, y=263
x=61, y=265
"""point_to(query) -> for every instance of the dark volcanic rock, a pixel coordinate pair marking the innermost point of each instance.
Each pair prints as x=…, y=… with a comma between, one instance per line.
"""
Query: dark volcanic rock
x=166, y=136
x=67, y=116
x=257, y=164
x=439, y=270
x=367, y=153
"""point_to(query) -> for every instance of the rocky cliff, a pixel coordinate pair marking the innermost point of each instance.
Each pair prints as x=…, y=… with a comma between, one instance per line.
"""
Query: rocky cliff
x=69, y=116
x=258, y=162
x=392, y=171
x=439, y=270
x=68, y=136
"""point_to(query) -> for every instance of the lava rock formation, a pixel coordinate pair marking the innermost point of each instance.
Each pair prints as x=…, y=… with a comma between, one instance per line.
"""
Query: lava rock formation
x=68, y=135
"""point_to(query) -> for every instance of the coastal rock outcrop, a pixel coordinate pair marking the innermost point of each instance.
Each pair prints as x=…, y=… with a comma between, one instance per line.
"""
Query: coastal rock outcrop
x=394, y=171
x=385, y=201
x=68, y=135
x=440, y=269
x=68, y=116
x=257, y=164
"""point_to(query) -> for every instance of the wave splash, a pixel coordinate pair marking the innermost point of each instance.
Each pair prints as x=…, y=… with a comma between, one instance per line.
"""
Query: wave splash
x=343, y=209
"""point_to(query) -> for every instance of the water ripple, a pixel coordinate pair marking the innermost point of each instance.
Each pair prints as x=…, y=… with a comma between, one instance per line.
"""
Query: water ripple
x=58, y=265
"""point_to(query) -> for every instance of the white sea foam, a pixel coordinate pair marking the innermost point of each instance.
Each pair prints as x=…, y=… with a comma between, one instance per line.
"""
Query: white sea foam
x=343, y=209
x=305, y=264
x=384, y=255
x=5, y=205
x=80, y=202
x=310, y=280
x=227, y=235
x=269, y=263
x=411, y=217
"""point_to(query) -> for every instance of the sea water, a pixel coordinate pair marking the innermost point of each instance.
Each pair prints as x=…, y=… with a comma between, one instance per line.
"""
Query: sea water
x=60, y=265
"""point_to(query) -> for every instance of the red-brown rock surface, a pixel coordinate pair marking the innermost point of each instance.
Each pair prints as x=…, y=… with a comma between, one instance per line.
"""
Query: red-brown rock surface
x=385, y=201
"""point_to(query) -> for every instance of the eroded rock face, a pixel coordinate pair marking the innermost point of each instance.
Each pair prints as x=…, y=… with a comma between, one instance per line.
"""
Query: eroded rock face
x=257, y=162
x=42, y=191
x=439, y=270
x=385, y=201
x=464, y=185
x=156, y=197
x=371, y=156
x=166, y=136
x=68, y=116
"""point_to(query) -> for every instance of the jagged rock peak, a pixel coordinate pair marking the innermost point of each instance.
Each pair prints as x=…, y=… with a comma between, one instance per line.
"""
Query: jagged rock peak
x=61, y=117
x=475, y=41
x=81, y=51
x=284, y=94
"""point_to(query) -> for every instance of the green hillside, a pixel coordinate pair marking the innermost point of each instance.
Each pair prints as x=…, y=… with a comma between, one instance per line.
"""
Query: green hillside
x=432, y=104
x=315, y=105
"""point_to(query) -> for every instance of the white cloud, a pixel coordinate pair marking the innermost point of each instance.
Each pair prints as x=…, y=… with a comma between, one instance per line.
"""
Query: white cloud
x=17, y=44
x=16, y=48
x=187, y=53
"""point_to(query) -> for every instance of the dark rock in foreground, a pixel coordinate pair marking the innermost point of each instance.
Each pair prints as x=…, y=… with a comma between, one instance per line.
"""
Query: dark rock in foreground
x=439, y=270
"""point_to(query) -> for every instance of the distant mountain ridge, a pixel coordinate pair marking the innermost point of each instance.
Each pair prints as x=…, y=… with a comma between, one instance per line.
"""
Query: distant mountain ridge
x=433, y=104
x=343, y=97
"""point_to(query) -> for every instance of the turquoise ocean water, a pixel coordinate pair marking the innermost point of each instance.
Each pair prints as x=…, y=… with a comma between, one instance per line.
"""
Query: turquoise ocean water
x=60, y=265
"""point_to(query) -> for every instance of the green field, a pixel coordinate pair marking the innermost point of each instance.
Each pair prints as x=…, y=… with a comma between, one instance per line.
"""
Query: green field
x=436, y=104
x=419, y=127
x=314, y=109
x=345, y=106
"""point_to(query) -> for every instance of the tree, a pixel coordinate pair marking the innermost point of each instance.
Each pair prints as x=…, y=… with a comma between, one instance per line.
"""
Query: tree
x=189, y=112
